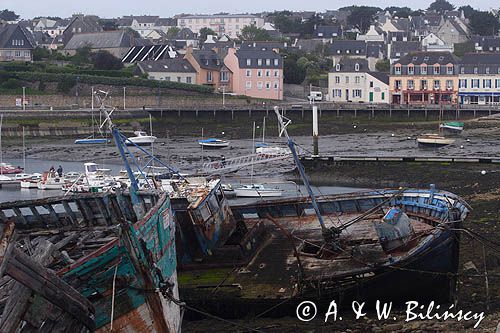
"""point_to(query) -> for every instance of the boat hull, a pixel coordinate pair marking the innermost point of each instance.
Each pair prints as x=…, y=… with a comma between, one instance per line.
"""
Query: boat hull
x=253, y=193
x=140, y=141
x=91, y=141
x=214, y=145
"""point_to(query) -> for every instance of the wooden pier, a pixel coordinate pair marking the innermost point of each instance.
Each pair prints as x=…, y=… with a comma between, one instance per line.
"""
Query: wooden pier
x=401, y=159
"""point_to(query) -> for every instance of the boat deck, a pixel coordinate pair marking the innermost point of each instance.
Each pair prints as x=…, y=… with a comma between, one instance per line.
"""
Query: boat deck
x=273, y=271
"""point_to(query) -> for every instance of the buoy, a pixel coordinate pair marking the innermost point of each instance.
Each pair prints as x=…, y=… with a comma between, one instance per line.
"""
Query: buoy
x=392, y=134
x=468, y=140
x=355, y=126
x=483, y=172
x=462, y=147
x=409, y=138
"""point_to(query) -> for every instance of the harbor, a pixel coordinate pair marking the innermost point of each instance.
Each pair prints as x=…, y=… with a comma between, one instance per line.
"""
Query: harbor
x=350, y=179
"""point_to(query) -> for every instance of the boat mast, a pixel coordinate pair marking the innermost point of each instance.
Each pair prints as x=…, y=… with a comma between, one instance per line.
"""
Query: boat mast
x=330, y=235
x=1, y=151
x=263, y=129
x=24, y=152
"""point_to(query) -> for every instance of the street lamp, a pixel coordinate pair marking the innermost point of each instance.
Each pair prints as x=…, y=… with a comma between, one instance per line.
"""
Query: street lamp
x=76, y=91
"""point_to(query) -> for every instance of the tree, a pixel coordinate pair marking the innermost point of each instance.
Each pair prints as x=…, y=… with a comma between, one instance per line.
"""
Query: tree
x=204, y=32
x=459, y=49
x=251, y=32
x=40, y=53
x=383, y=65
x=362, y=17
x=8, y=15
x=399, y=11
x=441, y=6
x=468, y=10
x=285, y=23
x=172, y=32
x=103, y=60
x=483, y=23
x=292, y=73
x=82, y=56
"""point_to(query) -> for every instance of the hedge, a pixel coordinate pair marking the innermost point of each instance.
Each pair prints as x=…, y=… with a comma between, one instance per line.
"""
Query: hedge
x=105, y=80
x=44, y=68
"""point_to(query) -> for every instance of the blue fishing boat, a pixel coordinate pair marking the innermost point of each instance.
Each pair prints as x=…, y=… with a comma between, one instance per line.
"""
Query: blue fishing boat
x=92, y=141
x=213, y=143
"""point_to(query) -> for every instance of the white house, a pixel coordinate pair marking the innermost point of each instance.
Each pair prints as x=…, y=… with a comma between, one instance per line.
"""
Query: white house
x=351, y=81
x=229, y=24
x=372, y=35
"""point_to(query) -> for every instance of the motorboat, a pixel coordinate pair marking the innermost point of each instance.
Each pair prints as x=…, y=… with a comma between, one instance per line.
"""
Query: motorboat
x=213, y=143
x=266, y=149
x=257, y=191
x=141, y=139
x=434, y=140
x=94, y=180
x=9, y=169
x=452, y=127
x=32, y=181
x=50, y=181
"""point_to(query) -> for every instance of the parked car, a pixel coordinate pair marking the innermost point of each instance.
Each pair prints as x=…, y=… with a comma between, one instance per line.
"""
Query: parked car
x=316, y=96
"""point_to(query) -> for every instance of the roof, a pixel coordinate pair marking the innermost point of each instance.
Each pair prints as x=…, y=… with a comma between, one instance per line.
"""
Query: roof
x=480, y=58
x=219, y=15
x=186, y=33
x=375, y=49
x=102, y=40
x=328, y=31
x=254, y=55
x=261, y=45
x=208, y=59
x=382, y=77
x=143, y=18
x=403, y=48
x=149, y=52
x=348, y=47
x=456, y=26
x=429, y=58
x=350, y=65
x=8, y=30
x=175, y=65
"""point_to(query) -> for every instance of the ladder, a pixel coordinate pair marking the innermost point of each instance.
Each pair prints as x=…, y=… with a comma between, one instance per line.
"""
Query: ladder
x=237, y=163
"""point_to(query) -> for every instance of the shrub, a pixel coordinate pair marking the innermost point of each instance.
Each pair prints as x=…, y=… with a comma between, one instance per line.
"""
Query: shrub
x=65, y=84
x=11, y=84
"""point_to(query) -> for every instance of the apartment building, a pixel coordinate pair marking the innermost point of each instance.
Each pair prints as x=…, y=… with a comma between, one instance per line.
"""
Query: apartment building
x=222, y=24
x=479, y=79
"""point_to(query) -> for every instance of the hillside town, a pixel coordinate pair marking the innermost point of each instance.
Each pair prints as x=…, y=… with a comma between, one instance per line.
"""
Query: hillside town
x=355, y=54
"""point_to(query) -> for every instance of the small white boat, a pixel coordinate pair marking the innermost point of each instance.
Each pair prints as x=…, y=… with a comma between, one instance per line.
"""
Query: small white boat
x=452, y=127
x=21, y=176
x=141, y=139
x=257, y=191
x=31, y=182
x=6, y=180
x=213, y=143
x=434, y=140
x=272, y=151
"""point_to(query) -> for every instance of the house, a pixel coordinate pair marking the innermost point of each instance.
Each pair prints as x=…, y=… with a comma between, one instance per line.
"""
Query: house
x=57, y=29
x=450, y=32
x=187, y=37
x=479, y=79
x=118, y=42
x=81, y=24
x=16, y=43
x=375, y=51
x=425, y=78
x=144, y=25
x=256, y=72
x=397, y=50
x=433, y=43
x=327, y=33
x=347, y=48
x=269, y=45
x=176, y=69
x=350, y=80
x=229, y=24
x=372, y=35
x=43, y=23
x=210, y=68
x=486, y=43
x=43, y=39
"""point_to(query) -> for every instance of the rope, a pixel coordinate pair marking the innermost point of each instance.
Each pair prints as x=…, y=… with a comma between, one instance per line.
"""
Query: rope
x=113, y=299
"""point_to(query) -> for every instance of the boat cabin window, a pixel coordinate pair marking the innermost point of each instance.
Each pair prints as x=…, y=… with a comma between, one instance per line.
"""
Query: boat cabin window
x=213, y=204
x=203, y=212
x=91, y=168
x=220, y=194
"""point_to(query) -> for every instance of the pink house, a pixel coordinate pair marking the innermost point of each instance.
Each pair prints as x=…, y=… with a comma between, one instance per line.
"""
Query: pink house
x=256, y=72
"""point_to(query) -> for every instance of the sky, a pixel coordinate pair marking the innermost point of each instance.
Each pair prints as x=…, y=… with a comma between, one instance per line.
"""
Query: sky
x=166, y=8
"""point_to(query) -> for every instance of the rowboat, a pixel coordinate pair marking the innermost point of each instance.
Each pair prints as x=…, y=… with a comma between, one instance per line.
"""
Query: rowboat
x=92, y=141
x=453, y=127
x=213, y=143
x=434, y=140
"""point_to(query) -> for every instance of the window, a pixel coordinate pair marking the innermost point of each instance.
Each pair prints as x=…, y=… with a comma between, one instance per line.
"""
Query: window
x=426, y=58
x=462, y=70
x=179, y=79
x=188, y=79
x=357, y=93
x=449, y=84
x=437, y=69
x=248, y=85
x=167, y=78
x=347, y=79
x=411, y=70
x=487, y=70
x=17, y=54
x=249, y=73
x=337, y=92
x=487, y=83
x=259, y=73
x=462, y=83
x=259, y=62
x=337, y=67
x=259, y=85
x=437, y=84
x=224, y=76
x=449, y=70
x=397, y=70
x=397, y=84
x=209, y=76
x=268, y=73
x=356, y=67
x=411, y=84
x=371, y=84
x=268, y=85
x=497, y=83
x=276, y=74
x=276, y=85
x=276, y=62
x=423, y=69
x=268, y=62
x=249, y=62
x=337, y=79
x=383, y=95
x=475, y=83
x=475, y=70
x=423, y=85
x=357, y=79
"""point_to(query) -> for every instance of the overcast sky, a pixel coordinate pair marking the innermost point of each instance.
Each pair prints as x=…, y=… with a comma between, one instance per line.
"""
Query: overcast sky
x=165, y=8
